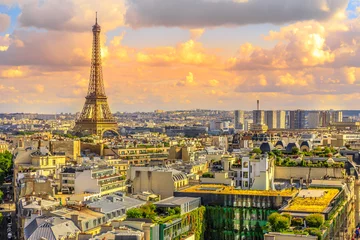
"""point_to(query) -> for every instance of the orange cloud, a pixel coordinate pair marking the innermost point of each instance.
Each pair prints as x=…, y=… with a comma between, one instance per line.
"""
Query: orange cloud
x=190, y=52
x=13, y=72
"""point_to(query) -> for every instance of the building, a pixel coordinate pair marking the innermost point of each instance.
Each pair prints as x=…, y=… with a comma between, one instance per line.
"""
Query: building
x=101, y=180
x=254, y=173
x=3, y=146
x=258, y=117
x=314, y=119
x=113, y=206
x=329, y=117
x=234, y=213
x=280, y=119
x=69, y=148
x=248, y=124
x=239, y=119
x=271, y=119
x=139, y=156
x=86, y=220
x=297, y=119
x=349, y=126
x=40, y=161
x=50, y=228
x=121, y=166
x=160, y=181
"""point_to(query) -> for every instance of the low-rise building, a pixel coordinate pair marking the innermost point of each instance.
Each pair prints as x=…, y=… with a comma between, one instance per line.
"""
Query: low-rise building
x=3, y=146
x=103, y=180
x=161, y=181
x=50, y=228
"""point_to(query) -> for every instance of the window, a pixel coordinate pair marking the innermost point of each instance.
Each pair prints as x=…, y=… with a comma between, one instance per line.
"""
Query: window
x=246, y=164
x=246, y=184
x=54, y=162
x=245, y=174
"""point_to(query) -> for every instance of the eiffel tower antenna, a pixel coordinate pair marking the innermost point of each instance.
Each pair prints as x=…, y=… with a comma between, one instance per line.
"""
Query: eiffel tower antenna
x=96, y=117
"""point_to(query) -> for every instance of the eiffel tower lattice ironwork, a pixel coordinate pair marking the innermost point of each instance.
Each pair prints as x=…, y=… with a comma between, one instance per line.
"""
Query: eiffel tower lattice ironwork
x=96, y=117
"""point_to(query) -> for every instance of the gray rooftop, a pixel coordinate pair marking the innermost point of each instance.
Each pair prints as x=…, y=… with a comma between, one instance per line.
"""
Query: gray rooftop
x=49, y=228
x=175, y=201
x=114, y=202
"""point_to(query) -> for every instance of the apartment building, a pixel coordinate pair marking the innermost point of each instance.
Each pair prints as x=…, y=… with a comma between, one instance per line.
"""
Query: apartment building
x=100, y=180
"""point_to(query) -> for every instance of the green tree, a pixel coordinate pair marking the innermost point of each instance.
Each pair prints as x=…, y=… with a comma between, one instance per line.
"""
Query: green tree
x=134, y=213
x=171, y=211
x=272, y=218
x=278, y=161
x=297, y=222
x=295, y=150
x=314, y=220
x=207, y=175
x=327, y=150
x=177, y=210
x=256, y=150
x=281, y=223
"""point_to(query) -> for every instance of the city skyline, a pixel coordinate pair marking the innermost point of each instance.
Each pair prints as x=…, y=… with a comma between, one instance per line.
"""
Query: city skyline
x=155, y=60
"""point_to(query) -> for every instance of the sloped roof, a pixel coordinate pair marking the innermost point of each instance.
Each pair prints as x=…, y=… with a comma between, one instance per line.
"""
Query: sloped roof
x=49, y=228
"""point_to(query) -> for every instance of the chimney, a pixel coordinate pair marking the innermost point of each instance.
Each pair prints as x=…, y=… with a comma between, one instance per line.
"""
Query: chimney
x=258, y=104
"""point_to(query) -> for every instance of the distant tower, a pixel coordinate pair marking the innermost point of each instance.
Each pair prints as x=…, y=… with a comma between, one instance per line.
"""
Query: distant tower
x=96, y=117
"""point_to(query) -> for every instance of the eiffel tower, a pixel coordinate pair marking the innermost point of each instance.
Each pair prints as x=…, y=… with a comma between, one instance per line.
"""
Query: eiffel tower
x=96, y=117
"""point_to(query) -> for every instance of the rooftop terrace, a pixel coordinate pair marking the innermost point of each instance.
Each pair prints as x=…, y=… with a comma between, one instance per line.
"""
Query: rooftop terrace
x=221, y=189
x=312, y=200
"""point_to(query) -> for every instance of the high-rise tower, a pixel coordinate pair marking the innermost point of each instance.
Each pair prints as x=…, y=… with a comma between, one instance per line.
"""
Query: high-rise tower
x=96, y=117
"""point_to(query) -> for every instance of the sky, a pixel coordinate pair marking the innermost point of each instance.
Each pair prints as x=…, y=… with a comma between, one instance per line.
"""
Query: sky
x=181, y=54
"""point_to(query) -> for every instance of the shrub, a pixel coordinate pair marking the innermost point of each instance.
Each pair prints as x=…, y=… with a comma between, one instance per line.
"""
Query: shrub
x=208, y=175
x=297, y=222
x=314, y=232
x=272, y=218
x=314, y=220
x=134, y=213
x=295, y=150
x=177, y=210
x=256, y=150
x=281, y=223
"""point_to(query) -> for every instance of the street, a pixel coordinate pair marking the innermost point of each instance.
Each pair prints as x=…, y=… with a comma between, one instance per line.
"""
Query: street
x=7, y=208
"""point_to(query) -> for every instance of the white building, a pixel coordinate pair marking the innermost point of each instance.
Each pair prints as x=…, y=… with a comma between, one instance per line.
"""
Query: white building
x=254, y=173
x=101, y=181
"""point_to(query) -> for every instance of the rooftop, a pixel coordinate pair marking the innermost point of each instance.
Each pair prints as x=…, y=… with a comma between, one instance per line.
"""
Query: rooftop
x=111, y=203
x=174, y=201
x=221, y=189
x=312, y=200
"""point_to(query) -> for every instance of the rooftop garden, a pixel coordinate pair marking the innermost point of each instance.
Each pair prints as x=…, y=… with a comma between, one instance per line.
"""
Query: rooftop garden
x=207, y=175
x=312, y=204
x=157, y=215
x=288, y=162
x=220, y=189
x=313, y=224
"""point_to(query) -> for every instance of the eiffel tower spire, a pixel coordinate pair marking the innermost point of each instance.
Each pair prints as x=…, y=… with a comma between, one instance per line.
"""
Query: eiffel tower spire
x=96, y=117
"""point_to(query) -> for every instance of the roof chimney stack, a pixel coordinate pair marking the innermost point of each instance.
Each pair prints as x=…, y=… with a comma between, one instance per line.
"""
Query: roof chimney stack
x=258, y=104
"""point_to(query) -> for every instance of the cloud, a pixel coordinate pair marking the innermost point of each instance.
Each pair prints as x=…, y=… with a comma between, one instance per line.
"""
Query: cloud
x=47, y=49
x=13, y=72
x=196, y=33
x=39, y=88
x=190, y=52
x=71, y=15
x=188, y=81
x=214, y=13
x=4, y=22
